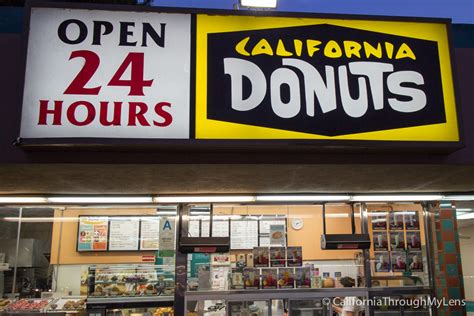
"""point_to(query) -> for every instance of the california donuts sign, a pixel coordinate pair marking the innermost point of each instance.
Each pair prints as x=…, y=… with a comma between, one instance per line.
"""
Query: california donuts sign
x=327, y=79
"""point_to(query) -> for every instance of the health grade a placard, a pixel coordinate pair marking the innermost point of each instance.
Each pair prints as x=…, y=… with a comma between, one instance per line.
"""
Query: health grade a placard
x=107, y=74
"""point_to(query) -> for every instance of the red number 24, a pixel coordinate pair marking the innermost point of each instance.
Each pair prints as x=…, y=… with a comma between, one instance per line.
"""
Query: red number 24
x=91, y=63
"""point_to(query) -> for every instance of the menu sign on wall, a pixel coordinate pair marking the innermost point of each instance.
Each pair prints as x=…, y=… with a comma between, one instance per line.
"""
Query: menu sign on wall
x=107, y=74
x=244, y=234
x=124, y=233
x=150, y=233
x=220, y=228
x=92, y=233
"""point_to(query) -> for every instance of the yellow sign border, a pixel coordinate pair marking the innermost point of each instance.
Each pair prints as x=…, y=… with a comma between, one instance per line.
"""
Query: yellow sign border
x=433, y=31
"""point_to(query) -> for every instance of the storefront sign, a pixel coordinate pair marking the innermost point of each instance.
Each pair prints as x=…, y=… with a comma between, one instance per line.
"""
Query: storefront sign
x=107, y=74
x=99, y=74
x=304, y=78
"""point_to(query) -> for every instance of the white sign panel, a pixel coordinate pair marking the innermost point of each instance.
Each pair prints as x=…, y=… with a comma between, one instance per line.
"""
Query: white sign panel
x=193, y=228
x=107, y=74
x=150, y=233
x=124, y=233
x=244, y=234
x=220, y=228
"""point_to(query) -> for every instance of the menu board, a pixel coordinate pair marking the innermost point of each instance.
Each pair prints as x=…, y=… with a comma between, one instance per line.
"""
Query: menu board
x=244, y=234
x=124, y=233
x=220, y=228
x=193, y=228
x=92, y=233
x=150, y=233
x=266, y=223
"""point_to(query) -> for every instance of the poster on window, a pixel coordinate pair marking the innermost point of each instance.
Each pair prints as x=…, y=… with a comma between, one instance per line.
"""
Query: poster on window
x=397, y=241
x=92, y=233
x=382, y=261
x=414, y=241
x=412, y=220
x=380, y=240
x=379, y=221
x=396, y=220
x=399, y=261
x=415, y=261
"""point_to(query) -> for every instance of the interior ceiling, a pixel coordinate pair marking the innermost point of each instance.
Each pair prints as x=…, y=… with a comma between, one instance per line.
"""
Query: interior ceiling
x=237, y=178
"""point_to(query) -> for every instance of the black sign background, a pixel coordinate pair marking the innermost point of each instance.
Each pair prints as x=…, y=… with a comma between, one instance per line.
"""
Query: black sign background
x=337, y=122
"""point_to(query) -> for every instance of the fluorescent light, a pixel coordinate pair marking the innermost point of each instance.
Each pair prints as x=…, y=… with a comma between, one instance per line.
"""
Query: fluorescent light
x=302, y=198
x=395, y=198
x=377, y=213
x=458, y=197
x=40, y=219
x=22, y=199
x=464, y=210
x=173, y=213
x=203, y=199
x=200, y=213
x=259, y=3
x=466, y=216
x=94, y=199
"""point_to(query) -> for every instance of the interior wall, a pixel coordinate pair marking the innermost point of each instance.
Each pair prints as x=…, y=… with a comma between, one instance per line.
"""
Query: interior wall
x=308, y=237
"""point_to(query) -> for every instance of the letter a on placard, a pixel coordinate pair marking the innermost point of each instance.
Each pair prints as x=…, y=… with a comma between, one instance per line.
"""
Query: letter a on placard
x=167, y=225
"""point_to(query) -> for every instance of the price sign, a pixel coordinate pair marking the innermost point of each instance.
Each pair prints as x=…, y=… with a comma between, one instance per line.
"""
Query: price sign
x=107, y=74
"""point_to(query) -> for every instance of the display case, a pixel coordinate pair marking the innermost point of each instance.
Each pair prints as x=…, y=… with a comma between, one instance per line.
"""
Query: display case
x=311, y=302
x=130, y=281
x=130, y=289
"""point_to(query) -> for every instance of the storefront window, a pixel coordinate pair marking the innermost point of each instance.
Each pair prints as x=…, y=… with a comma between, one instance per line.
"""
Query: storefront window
x=67, y=256
x=399, y=251
x=121, y=260
x=8, y=236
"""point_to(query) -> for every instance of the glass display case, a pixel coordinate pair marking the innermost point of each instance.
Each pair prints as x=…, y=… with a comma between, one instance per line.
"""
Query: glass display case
x=140, y=289
x=130, y=281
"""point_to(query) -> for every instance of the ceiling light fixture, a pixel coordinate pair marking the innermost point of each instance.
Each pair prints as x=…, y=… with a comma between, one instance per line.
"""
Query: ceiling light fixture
x=203, y=199
x=100, y=200
x=22, y=200
x=395, y=198
x=302, y=198
x=271, y=4
x=466, y=216
x=458, y=197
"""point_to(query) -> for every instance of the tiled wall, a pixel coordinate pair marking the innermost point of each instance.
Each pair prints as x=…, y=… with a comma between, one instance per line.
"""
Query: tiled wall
x=448, y=268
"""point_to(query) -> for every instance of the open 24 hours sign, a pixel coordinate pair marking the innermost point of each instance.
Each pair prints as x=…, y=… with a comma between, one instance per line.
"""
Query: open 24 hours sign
x=155, y=75
x=107, y=74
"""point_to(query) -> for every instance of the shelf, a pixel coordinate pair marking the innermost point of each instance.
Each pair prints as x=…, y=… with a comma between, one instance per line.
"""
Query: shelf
x=129, y=301
x=267, y=294
x=300, y=294
x=123, y=282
